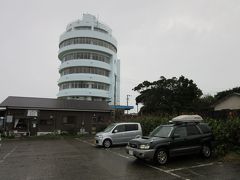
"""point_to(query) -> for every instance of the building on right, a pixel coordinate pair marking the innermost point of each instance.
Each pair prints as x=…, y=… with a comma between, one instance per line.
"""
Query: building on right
x=229, y=102
x=227, y=107
x=90, y=69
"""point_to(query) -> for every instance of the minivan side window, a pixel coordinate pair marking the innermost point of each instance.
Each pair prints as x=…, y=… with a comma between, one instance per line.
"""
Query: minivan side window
x=131, y=127
x=120, y=128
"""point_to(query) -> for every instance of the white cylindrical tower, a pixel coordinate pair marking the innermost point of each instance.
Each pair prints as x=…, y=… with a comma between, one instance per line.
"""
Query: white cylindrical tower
x=90, y=69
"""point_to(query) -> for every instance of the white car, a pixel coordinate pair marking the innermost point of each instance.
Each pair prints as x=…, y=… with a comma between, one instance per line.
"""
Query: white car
x=118, y=133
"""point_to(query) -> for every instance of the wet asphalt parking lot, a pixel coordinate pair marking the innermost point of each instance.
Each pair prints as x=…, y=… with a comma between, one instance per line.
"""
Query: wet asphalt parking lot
x=71, y=159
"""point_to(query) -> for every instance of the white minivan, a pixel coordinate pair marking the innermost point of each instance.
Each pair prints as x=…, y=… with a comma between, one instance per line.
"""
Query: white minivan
x=118, y=133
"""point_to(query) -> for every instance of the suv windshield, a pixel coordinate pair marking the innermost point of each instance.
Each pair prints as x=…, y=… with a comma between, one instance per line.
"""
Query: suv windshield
x=109, y=128
x=161, y=131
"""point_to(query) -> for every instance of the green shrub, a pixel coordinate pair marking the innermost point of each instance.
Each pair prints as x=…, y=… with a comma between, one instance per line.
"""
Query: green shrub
x=149, y=123
x=226, y=133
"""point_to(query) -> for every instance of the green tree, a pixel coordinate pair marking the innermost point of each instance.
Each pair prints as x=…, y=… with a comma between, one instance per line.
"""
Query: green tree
x=205, y=102
x=170, y=96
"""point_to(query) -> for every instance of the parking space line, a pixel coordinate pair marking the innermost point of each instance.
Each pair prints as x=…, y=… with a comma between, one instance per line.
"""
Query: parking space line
x=127, y=157
x=169, y=171
x=190, y=167
x=119, y=154
x=195, y=173
x=86, y=142
x=153, y=167
x=166, y=171
x=8, y=154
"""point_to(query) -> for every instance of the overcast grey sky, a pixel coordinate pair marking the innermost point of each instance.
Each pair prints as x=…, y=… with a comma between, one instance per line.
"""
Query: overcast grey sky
x=195, y=38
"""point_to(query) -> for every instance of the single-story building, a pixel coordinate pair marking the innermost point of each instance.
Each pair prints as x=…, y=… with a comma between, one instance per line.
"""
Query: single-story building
x=228, y=106
x=35, y=116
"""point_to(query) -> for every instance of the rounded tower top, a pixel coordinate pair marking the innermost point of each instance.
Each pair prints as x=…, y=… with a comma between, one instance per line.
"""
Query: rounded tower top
x=89, y=18
x=89, y=22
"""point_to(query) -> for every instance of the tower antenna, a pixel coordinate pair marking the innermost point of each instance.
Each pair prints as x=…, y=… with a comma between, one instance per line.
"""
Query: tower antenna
x=97, y=19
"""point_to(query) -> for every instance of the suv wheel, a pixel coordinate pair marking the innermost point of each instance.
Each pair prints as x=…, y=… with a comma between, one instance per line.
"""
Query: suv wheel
x=161, y=156
x=206, y=151
x=107, y=143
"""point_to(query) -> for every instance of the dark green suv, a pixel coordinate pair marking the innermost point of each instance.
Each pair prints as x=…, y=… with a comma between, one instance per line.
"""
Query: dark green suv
x=184, y=135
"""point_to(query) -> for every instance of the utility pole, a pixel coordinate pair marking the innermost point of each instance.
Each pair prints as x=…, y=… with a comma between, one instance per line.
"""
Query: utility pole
x=115, y=96
x=128, y=95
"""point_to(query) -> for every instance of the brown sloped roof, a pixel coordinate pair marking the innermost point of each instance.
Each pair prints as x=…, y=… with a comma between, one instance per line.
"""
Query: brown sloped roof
x=224, y=98
x=54, y=104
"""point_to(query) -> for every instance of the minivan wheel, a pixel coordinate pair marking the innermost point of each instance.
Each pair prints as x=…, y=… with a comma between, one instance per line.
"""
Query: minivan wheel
x=107, y=143
x=161, y=157
x=206, y=151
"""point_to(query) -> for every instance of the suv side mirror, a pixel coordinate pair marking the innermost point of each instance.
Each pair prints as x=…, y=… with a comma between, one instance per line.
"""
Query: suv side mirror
x=176, y=136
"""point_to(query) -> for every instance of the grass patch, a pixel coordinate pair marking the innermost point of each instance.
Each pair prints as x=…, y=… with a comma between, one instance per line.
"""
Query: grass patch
x=232, y=156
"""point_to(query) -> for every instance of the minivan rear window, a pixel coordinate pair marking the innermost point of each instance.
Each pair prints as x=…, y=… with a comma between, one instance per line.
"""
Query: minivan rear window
x=131, y=127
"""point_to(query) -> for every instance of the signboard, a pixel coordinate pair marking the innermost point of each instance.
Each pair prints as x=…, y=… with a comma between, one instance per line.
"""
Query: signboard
x=32, y=113
x=9, y=119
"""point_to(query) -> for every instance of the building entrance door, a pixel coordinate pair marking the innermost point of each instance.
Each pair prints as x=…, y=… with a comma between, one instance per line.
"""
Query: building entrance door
x=33, y=127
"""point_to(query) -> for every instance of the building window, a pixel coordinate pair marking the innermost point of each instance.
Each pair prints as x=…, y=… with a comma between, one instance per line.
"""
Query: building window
x=64, y=121
x=100, y=30
x=98, y=99
x=100, y=119
x=46, y=122
x=82, y=69
x=94, y=119
x=21, y=125
x=84, y=84
x=86, y=55
x=83, y=28
x=88, y=40
x=68, y=120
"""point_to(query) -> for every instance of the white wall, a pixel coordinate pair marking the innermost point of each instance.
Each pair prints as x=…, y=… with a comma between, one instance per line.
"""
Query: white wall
x=232, y=102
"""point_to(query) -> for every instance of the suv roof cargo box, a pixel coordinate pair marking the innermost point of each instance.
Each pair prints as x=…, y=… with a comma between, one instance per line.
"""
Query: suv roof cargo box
x=187, y=118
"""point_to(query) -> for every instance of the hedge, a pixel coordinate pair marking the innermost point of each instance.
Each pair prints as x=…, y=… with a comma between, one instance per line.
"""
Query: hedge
x=226, y=133
x=149, y=123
